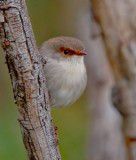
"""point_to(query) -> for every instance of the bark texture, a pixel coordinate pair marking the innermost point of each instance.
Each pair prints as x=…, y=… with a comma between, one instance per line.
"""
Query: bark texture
x=105, y=139
x=28, y=80
x=118, y=27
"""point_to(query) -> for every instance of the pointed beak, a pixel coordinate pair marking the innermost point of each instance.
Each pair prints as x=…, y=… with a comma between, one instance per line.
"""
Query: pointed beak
x=80, y=53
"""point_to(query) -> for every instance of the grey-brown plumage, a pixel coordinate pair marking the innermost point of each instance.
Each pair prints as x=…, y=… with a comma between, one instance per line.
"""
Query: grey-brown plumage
x=65, y=73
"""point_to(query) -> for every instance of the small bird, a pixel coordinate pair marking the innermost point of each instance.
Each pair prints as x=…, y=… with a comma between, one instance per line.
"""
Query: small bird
x=65, y=70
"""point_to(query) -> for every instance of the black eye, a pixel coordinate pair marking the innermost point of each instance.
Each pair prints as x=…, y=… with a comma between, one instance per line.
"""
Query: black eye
x=66, y=51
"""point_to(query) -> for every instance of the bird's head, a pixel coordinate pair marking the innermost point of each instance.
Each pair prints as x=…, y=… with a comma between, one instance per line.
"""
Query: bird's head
x=64, y=48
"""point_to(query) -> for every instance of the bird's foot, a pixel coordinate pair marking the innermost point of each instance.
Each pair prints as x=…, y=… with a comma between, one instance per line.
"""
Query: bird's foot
x=43, y=59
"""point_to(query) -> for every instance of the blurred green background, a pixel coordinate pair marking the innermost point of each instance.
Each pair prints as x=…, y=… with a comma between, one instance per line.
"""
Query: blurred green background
x=49, y=18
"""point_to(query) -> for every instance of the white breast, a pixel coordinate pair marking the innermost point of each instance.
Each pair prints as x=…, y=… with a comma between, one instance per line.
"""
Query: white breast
x=66, y=80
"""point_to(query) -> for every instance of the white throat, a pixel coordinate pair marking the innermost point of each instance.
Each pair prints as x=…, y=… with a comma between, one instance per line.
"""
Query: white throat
x=74, y=66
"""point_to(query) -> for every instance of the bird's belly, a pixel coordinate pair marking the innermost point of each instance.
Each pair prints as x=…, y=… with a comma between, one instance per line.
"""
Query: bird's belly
x=64, y=98
x=66, y=93
x=66, y=81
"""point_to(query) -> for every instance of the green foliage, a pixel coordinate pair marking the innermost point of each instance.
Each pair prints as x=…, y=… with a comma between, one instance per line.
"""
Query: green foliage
x=72, y=123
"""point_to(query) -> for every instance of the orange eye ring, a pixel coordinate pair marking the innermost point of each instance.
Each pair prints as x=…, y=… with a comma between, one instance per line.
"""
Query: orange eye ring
x=66, y=51
x=69, y=52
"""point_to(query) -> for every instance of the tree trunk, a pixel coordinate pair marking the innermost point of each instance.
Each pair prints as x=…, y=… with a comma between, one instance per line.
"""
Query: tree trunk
x=106, y=140
x=28, y=81
x=117, y=20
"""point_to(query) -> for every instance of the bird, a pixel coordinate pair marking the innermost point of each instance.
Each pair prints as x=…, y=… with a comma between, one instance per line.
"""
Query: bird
x=65, y=71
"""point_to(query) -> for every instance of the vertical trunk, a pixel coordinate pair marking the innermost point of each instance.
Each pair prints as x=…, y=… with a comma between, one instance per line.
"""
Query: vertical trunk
x=117, y=22
x=28, y=80
x=106, y=140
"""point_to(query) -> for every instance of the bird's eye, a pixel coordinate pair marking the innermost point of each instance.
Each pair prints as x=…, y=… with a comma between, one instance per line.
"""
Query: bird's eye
x=66, y=52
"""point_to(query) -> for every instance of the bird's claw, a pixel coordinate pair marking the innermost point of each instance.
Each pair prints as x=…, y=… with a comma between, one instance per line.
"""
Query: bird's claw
x=43, y=59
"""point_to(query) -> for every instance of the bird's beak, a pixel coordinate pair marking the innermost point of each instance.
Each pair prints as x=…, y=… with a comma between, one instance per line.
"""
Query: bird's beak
x=80, y=53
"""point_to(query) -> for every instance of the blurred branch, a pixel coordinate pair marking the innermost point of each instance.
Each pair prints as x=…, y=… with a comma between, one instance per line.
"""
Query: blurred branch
x=25, y=69
x=117, y=21
x=105, y=140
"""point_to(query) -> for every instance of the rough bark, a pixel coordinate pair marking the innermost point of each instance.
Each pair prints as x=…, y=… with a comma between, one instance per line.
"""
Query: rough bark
x=105, y=138
x=117, y=22
x=28, y=81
